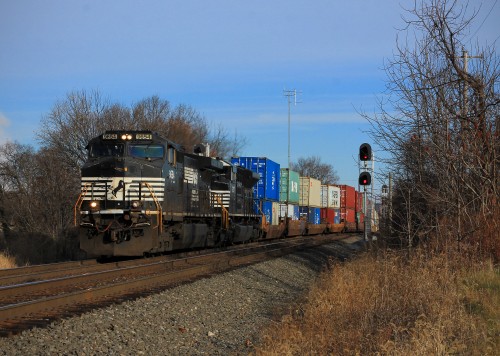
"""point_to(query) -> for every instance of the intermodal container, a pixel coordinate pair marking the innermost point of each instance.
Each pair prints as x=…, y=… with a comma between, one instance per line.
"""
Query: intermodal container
x=312, y=215
x=269, y=172
x=330, y=216
x=330, y=196
x=289, y=186
x=347, y=197
x=348, y=215
x=310, y=192
x=268, y=208
x=289, y=210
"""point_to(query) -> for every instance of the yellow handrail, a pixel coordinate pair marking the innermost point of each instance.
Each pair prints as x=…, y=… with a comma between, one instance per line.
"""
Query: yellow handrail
x=224, y=213
x=79, y=201
x=263, y=223
x=158, y=206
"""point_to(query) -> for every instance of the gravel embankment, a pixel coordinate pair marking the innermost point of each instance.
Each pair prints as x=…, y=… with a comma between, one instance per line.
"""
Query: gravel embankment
x=220, y=315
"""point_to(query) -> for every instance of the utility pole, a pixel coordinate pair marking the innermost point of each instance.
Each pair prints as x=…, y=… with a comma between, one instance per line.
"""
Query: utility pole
x=465, y=113
x=289, y=94
x=465, y=56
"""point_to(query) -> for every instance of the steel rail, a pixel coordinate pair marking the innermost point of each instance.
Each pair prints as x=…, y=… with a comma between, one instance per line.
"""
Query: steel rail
x=162, y=274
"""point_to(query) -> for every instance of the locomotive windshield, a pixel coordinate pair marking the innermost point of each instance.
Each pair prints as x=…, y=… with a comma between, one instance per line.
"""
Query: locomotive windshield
x=146, y=151
x=100, y=149
x=108, y=149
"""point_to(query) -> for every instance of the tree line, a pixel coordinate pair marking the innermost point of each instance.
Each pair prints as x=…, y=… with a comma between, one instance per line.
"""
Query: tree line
x=440, y=121
x=39, y=187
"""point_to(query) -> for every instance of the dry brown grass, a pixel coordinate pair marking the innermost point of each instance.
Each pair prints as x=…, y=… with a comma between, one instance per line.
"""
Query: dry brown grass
x=396, y=306
x=7, y=261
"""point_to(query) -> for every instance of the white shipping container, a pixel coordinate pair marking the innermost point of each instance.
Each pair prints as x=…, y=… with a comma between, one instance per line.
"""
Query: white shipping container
x=333, y=197
x=276, y=211
x=310, y=192
x=293, y=211
x=330, y=196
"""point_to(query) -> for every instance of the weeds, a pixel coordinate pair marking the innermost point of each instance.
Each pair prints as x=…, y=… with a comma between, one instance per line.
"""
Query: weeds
x=394, y=305
x=7, y=261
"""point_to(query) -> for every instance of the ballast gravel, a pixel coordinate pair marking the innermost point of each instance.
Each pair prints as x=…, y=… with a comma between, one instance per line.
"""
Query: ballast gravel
x=220, y=315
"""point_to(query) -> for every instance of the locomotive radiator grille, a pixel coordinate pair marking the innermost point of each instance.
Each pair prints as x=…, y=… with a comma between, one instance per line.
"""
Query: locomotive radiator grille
x=123, y=188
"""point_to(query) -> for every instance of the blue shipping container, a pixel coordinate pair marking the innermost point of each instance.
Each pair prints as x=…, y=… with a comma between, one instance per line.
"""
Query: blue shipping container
x=270, y=210
x=336, y=219
x=312, y=215
x=268, y=186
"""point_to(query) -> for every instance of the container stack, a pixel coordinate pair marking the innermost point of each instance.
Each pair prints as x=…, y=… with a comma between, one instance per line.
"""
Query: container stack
x=266, y=192
x=310, y=199
x=348, y=206
x=330, y=204
x=289, y=194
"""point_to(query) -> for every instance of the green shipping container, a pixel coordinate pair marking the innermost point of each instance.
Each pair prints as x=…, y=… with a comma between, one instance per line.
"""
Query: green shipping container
x=289, y=186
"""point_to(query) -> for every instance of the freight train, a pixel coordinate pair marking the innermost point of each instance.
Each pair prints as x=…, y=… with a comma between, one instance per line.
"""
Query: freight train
x=142, y=194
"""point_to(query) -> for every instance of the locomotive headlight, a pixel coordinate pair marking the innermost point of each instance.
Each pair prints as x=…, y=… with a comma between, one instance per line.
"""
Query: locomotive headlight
x=135, y=205
x=94, y=205
x=126, y=137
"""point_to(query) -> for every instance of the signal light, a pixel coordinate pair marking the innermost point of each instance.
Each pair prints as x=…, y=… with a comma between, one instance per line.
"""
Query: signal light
x=365, y=178
x=365, y=152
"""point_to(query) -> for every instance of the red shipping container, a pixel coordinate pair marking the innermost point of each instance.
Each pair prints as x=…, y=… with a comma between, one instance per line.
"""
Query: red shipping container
x=327, y=216
x=349, y=217
x=347, y=197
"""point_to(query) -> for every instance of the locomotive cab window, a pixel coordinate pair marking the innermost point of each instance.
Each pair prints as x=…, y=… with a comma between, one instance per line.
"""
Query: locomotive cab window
x=146, y=151
x=100, y=149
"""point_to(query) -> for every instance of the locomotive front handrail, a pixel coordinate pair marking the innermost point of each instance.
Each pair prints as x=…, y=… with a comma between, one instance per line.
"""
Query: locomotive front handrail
x=158, y=206
x=79, y=201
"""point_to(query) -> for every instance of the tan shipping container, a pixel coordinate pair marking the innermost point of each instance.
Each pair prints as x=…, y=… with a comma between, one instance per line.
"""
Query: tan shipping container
x=310, y=192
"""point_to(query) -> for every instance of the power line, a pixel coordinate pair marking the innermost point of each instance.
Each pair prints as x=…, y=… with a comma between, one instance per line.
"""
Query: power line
x=484, y=20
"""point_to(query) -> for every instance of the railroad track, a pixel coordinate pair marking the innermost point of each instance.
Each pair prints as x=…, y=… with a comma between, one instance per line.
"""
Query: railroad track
x=37, y=295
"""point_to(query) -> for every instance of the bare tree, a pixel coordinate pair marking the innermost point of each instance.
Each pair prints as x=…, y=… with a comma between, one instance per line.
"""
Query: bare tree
x=81, y=116
x=440, y=124
x=37, y=194
x=39, y=188
x=314, y=168
x=222, y=145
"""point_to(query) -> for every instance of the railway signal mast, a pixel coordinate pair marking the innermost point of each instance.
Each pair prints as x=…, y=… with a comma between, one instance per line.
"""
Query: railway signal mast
x=289, y=94
x=365, y=179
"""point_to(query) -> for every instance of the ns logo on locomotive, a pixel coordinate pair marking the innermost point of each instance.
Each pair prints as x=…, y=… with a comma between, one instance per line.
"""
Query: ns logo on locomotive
x=143, y=194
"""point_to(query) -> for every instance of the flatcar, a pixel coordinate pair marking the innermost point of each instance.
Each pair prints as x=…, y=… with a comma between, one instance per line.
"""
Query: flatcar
x=143, y=194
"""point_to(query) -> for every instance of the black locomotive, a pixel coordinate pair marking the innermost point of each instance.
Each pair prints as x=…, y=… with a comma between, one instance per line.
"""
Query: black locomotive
x=142, y=194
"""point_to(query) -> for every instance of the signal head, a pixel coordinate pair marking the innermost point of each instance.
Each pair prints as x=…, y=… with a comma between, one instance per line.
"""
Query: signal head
x=365, y=178
x=365, y=152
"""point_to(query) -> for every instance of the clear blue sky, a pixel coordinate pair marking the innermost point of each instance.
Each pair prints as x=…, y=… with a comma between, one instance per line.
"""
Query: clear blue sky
x=230, y=60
